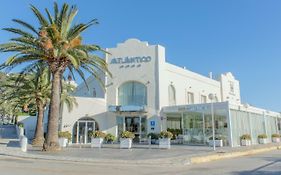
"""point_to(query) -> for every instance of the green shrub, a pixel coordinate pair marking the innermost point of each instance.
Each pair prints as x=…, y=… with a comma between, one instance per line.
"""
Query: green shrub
x=262, y=136
x=275, y=135
x=97, y=134
x=127, y=134
x=153, y=135
x=166, y=134
x=109, y=137
x=175, y=132
x=21, y=125
x=246, y=137
x=65, y=134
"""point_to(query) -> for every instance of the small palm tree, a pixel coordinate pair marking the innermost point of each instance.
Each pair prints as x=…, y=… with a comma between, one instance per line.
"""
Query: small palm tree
x=58, y=45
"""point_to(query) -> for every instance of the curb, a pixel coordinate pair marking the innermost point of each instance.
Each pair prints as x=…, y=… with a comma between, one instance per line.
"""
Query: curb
x=228, y=155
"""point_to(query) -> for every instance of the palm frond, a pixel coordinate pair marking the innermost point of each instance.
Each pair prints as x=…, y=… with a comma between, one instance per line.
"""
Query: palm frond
x=26, y=25
x=39, y=16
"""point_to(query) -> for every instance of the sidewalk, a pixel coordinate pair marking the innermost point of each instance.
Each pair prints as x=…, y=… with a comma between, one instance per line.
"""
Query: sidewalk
x=178, y=155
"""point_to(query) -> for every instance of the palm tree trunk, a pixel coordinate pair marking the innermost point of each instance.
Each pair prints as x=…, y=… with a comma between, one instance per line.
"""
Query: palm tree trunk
x=39, y=131
x=51, y=143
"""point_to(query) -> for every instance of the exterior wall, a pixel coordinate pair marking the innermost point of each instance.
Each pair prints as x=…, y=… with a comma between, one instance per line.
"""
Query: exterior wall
x=230, y=88
x=186, y=81
x=94, y=89
x=89, y=107
x=140, y=72
x=29, y=123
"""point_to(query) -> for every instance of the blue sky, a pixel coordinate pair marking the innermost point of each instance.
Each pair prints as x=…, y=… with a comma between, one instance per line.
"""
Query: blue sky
x=243, y=37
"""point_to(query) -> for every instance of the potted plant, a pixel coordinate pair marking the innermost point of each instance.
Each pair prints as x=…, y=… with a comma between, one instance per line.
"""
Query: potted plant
x=275, y=138
x=262, y=138
x=64, y=138
x=245, y=140
x=165, y=139
x=97, y=138
x=109, y=138
x=218, y=141
x=126, y=139
x=153, y=137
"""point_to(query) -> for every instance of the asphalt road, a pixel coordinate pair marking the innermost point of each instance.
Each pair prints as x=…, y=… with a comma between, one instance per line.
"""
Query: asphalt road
x=268, y=163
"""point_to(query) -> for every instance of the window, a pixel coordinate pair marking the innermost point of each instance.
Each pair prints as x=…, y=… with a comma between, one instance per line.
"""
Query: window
x=190, y=98
x=132, y=93
x=172, y=95
x=203, y=99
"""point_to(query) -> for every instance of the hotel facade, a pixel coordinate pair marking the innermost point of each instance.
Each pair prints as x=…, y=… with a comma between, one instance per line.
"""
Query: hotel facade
x=147, y=95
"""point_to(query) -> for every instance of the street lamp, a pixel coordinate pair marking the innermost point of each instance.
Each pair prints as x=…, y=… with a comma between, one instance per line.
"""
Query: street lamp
x=212, y=97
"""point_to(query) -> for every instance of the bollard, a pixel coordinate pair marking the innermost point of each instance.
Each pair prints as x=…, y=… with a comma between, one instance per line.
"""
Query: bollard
x=23, y=143
x=21, y=129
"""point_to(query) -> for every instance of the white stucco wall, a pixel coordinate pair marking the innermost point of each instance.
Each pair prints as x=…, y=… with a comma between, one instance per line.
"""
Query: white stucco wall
x=230, y=88
x=186, y=81
x=94, y=88
x=144, y=73
x=89, y=107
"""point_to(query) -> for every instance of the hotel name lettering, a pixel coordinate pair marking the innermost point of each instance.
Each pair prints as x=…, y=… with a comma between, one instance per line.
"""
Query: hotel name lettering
x=131, y=60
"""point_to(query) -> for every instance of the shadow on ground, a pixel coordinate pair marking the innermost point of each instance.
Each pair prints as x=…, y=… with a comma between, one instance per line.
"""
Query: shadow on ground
x=13, y=144
x=260, y=170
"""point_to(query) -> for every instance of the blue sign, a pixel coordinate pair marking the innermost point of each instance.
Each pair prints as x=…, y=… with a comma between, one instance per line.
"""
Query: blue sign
x=152, y=123
x=131, y=60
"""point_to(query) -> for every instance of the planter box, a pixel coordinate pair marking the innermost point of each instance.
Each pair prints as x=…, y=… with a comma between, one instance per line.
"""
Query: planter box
x=262, y=141
x=245, y=142
x=218, y=143
x=63, y=142
x=125, y=143
x=275, y=139
x=96, y=142
x=165, y=143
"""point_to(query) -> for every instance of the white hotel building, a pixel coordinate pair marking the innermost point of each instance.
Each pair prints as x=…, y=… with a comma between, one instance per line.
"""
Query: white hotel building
x=146, y=94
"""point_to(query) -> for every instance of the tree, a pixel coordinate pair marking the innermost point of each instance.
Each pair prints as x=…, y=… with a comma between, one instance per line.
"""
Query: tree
x=34, y=89
x=57, y=44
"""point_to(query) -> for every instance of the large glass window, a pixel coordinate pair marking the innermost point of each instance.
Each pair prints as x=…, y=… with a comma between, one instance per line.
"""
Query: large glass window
x=132, y=93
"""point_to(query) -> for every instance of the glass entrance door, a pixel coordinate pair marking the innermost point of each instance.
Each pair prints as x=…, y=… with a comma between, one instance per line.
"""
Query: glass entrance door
x=83, y=131
x=135, y=124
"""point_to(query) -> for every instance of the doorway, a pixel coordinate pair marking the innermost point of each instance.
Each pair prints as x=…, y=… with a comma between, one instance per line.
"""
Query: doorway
x=134, y=124
x=82, y=130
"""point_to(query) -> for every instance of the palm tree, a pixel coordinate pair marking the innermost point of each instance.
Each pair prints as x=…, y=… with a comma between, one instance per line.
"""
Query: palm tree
x=9, y=107
x=57, y=44
x=34, y=89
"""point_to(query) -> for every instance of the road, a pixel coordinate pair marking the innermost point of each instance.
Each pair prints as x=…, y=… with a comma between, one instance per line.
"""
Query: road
x=268, y=163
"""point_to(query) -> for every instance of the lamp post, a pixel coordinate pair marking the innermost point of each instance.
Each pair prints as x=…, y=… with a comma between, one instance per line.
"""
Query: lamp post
x=212, y=97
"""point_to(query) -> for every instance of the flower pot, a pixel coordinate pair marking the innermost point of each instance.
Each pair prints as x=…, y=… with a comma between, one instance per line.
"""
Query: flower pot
x=63, y=142
x=96, y=142
x=262, y=141
x=165, y=143
x=275, y=139
x=218, y=143
x=126, y=143
x=245, y=142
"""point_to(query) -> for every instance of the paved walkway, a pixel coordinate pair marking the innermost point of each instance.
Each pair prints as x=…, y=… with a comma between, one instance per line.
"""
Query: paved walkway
x=110, y=153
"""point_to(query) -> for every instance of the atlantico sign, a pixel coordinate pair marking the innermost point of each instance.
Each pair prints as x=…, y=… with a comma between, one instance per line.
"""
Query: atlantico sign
x=131, y=60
